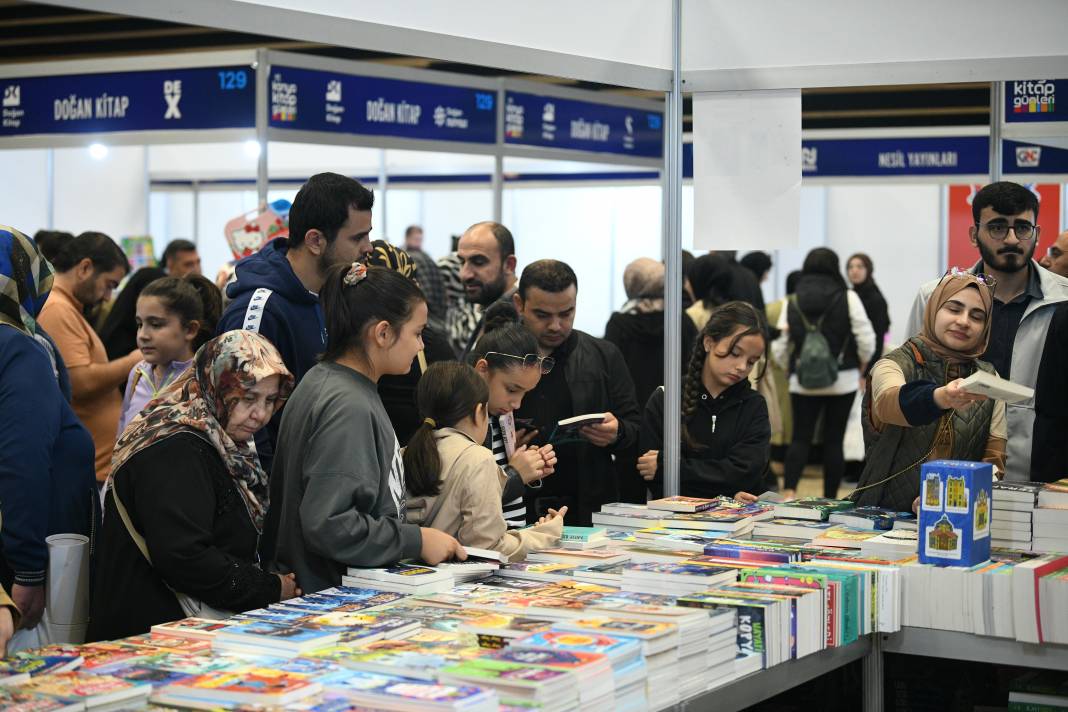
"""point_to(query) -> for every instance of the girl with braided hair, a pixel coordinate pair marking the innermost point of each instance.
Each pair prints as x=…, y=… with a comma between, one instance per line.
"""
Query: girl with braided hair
x=726, y=434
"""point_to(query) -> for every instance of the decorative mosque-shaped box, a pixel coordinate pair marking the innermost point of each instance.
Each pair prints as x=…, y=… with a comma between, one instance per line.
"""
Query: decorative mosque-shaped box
x=954, y=523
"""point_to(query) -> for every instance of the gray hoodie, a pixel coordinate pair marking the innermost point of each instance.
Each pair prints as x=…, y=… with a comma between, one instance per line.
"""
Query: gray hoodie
x=1026, y=356
x=337, y=487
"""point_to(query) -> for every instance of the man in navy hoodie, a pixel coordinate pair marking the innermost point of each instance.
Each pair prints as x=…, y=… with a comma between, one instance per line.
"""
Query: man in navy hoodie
x=276, y=291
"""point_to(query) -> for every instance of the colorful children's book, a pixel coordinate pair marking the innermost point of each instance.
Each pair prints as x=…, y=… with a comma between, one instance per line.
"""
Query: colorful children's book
x=377, y=691
x=35, y=665
x=196, y=628
x=619, y=650
x=274, y=637
x=257, y=686
x=90, y=690
x=814, y=508
x=15, y=699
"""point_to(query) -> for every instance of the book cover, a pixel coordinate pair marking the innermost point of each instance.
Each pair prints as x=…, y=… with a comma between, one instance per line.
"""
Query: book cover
x=645, y=630
x=199, y=628
x=955, y=503
x=276, y=635
x=559, y=659
x=15, y=699
x=490, y=671
x=86, y=688
x=394, y=690
x=818, y=508
x=612, y=646
x=255, y=685
x=40, y=664
x=872, y=518
x=998, y=388
x=583, y=534
x=683, y=504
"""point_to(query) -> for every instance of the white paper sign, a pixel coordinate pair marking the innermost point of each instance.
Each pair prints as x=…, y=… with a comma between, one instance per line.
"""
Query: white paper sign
x=747, y=169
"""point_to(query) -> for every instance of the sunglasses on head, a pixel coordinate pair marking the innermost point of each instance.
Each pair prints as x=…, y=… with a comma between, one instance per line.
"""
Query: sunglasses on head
x=958, y=273
x=545, y=363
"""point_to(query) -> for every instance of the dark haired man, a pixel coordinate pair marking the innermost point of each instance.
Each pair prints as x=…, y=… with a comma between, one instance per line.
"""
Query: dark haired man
x=275, y=292
x=1005, y=231
x=589, y=376
x=487, y=268
x=180, y=258
x=88, y=268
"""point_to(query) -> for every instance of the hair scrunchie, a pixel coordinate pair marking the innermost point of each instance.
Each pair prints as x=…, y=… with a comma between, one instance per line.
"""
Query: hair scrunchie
x=356, y=274
x=430, y=422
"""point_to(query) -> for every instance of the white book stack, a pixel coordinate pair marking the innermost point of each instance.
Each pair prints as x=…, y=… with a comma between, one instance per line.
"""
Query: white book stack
x=1011, y=516
x=402, y=578
x=1051, y=518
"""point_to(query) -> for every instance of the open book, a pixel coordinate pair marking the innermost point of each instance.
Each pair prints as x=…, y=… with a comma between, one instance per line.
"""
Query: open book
x=991, y=386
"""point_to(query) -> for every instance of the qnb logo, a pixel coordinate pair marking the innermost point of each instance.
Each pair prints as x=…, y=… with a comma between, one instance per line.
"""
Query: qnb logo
x=1033, y=96
x=1028, y=156
x=172, y=94
x=809, y=157
x=12, y=95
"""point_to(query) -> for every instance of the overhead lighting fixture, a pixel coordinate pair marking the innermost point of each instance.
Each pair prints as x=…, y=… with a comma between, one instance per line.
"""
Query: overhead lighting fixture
x=98, y=151
x=252, y=148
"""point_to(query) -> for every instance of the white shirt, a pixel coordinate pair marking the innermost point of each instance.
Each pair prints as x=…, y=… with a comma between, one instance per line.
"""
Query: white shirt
x=848, y=379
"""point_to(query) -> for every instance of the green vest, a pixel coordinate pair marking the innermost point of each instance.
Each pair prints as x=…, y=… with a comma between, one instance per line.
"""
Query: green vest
x=905, y=449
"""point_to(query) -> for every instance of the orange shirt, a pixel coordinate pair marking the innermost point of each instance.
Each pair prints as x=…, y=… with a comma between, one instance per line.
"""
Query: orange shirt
x=79, y=345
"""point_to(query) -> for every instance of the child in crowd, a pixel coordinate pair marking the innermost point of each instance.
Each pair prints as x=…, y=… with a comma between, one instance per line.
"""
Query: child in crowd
x=726, y=435
x=337, y=487
x=506, y=359
x=454, y=483
x=175, y=317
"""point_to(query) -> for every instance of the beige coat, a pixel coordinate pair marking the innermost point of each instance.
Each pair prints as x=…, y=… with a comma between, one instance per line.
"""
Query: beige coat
x=469, y=504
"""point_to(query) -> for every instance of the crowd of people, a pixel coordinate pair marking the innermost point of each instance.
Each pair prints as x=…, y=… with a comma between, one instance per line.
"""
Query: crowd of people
x=359, y=404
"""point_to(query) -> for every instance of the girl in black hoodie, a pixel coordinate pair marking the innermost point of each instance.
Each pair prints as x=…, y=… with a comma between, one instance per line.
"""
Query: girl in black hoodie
x=726, y=434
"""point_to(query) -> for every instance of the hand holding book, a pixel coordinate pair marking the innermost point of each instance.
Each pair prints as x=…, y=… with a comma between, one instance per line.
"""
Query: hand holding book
x=952, y=396
x=602, y=434
x=289, y=587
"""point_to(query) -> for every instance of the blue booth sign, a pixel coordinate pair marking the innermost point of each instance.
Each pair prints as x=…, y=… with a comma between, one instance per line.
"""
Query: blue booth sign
x=158, y=100
x=313, y=100
x=889, y=157
x=1019, y=157
x=552, y=122
x=1035, y=101
x=861, y=158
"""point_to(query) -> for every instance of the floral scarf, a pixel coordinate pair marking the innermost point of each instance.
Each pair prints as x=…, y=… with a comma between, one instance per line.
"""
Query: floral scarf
x=25, y=280
x=201, y=400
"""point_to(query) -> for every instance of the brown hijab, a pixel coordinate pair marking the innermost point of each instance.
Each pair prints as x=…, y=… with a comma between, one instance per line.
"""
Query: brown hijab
x=950, y=286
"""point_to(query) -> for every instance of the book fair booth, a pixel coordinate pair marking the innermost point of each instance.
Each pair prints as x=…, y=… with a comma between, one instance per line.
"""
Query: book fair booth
x=658, y=606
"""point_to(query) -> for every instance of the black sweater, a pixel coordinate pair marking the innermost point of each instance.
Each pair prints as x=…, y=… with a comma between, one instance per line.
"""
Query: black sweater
x=736, y=445
x=1049, y=454
x=202, y=542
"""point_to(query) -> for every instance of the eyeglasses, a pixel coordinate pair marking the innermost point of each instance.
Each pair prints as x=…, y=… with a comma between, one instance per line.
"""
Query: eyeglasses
x=958, y=273
x=545, y=363
x=999, y=230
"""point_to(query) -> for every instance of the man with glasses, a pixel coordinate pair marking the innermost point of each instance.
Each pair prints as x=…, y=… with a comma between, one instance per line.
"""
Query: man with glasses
x=588, y=376
x=1056, y=257
x=1006, y=232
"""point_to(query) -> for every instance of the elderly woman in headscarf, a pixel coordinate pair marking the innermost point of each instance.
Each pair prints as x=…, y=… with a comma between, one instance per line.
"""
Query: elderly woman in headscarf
x=918, y=408
x=398, y=392
x=638, y=330
x=47, y=481
x=186, y=499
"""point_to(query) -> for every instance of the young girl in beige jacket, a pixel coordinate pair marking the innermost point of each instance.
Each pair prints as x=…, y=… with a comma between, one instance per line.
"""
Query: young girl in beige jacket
x=454, y=483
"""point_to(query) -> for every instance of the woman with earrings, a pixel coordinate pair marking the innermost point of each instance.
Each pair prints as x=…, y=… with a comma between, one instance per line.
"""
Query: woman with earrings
x=726, y=434
x=453, y=482
x=337, y=487
x=917, y=407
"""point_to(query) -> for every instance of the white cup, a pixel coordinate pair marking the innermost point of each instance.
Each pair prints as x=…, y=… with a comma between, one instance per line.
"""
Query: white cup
x=68, y=579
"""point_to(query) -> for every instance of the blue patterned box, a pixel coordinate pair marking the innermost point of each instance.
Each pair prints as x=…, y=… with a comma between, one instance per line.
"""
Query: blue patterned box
x=955, y=500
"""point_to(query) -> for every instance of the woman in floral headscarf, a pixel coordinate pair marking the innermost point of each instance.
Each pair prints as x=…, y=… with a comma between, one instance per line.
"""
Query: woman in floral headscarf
x=47, y=484
x=187, y=497
x=915, y=404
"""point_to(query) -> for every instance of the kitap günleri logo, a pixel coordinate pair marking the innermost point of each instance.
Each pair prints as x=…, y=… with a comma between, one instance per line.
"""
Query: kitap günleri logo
x=1033, y=96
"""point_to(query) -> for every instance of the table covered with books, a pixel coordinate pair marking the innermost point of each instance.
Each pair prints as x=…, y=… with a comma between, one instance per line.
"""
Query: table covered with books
x=654, y=606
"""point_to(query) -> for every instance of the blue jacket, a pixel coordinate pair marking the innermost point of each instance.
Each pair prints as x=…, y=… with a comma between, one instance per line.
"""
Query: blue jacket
x=47, y=471
x=267, y=297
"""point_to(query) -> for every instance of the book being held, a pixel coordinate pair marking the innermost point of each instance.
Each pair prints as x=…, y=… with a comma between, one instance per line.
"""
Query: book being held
x=683, y=504
x=571, y=426
x=991, y=386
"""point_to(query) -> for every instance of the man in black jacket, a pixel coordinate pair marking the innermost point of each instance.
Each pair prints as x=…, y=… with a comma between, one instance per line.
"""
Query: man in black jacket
x=589, y=376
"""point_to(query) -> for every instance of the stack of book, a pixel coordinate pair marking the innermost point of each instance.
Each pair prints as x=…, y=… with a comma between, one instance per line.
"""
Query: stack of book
x=800, y=529
x=78, y=690
x=1011, y=516
x=722, y=646
x=517, y=684
x=892, y=545
x=582, y=538
x=1038, y=691
x=873, y=519
x=1051, y=518
x=624, y=516
x=817, y=509
x=392, y=692
x=592, y=671
x=241, y=686
x=624, y=655
x=403, y=578
x=683, y=504
x=676, y=539
x=578, y=557
x=279, y=639
x=660, y=650
x=674, y=578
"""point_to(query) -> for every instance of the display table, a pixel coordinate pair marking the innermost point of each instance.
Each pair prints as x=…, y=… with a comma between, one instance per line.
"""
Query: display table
x=765, y=684
x=977, y=648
